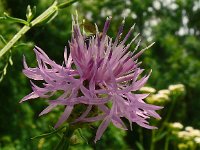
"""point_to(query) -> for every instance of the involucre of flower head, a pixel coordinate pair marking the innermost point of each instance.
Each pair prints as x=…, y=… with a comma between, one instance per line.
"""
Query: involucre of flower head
x=95, y=74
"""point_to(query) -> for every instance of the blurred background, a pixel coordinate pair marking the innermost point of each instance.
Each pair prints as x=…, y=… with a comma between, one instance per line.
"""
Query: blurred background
x=173, y=25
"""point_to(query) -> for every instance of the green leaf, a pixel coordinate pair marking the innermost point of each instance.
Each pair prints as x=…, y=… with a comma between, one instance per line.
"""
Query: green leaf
x=16, y=20
x=5, y=69
x=160, y=136
x=20, y=44
x=66, y=4
x=82, y=136
x=1, y=78
x=3, y=40
x=2, y=18
x=139, y=145
x=57, y=134
x=10, y=61
x=47, y=134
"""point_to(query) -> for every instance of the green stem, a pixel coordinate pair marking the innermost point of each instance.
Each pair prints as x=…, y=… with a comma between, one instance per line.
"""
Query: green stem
x=168, y=115
x=171, y=109
x=195, y=146
x=14, y=40
x=50, y=13
x=152, y=146
x=52, y=9
x=166, y=142
x=141, y=136
x=45, y=15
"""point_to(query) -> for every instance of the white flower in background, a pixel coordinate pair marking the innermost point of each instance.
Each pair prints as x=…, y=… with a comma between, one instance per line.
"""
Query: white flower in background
x=128, y=2
x=176, y=125
x=197, y=140
x=165, y=92
x=156, y=5
x=105, y=12
x=161, y=97
x=183, y=135
x=195, y=133
x=126, y=12
x=133, y=15
x=177, y=87
x=173, y=6
x=147, y=89
x=88, y=15
x=189, y=128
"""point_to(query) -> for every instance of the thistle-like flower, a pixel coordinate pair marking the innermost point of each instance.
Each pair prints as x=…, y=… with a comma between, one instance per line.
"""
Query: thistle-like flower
x=101, y=74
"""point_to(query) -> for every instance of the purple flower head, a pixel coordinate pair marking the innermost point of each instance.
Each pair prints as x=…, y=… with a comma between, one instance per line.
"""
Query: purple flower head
x=101, y=74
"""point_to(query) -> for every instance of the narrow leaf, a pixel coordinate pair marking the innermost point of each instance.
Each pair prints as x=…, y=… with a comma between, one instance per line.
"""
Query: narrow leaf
x=139, y=146
x=3, y=40
x=82, y=136
x=47, y=134
x=10, y=61
x=160, y=136
x=17, y=20
x=66, y=4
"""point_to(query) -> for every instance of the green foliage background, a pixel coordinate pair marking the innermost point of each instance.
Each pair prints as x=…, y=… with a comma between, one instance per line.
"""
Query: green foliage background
x=175, y=27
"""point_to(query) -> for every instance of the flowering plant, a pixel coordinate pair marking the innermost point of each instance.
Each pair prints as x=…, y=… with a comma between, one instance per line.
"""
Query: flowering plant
x=101, y=75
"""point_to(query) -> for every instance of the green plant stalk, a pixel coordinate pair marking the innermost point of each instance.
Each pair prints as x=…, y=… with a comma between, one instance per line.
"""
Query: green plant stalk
x=171, y=109
x=153, y=141
x=168, y=115
x=195, y=146
x=10, y=44
x=45, y=15
x=141, y=136
x=152, y=146
x=166, y=143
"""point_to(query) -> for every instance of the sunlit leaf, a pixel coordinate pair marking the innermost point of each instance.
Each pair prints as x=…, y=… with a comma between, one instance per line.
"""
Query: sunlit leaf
x=15, y=20
x=66, y=4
